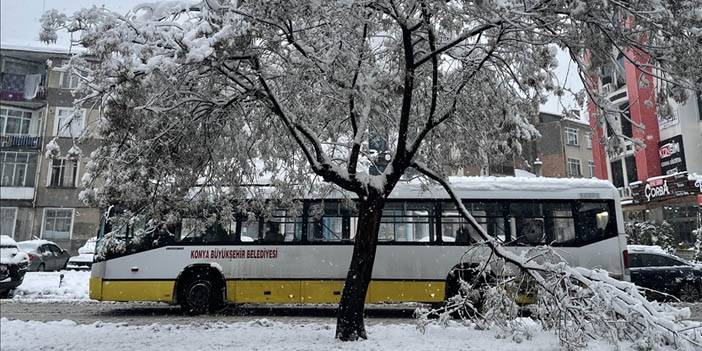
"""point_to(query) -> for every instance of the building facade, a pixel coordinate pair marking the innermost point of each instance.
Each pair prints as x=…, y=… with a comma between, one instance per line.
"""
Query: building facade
x=563, y=150
x=658, y=165
x=39, y=195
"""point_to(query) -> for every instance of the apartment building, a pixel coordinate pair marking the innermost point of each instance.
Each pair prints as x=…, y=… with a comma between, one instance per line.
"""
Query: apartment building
x=39, y=195
x=661, y=177
x=564, y=149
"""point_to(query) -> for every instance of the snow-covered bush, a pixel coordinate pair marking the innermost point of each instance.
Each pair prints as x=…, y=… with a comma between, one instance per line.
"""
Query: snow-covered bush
x=578, y=304
x=650, y=233
x=697, y=235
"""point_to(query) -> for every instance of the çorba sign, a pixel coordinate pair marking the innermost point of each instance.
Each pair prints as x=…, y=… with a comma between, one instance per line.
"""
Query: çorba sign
x=661, y=188
x=656, y=188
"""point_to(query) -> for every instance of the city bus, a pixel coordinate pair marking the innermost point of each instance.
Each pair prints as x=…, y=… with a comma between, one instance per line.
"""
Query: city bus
x=302, y=256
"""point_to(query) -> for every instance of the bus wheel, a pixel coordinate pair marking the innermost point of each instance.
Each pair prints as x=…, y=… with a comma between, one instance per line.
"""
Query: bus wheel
x=196, y=295
x=200, y=290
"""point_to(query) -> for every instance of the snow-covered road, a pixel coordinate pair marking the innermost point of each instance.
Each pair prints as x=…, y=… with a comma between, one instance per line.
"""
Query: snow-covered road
x=50, y=313
x=262, y=334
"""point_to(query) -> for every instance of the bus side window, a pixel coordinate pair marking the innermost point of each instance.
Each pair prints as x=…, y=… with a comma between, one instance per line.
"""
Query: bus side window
x=331, y=221
x=283, y=226
x=249, y=231
x=559, y=222
x=527, y=223
x=595, y=221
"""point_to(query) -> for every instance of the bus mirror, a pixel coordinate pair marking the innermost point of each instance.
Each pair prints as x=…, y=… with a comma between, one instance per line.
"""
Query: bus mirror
x=602, y=220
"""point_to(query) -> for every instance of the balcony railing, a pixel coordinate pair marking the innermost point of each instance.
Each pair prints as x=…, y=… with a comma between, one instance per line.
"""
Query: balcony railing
x=624, y=193
x=20, y=141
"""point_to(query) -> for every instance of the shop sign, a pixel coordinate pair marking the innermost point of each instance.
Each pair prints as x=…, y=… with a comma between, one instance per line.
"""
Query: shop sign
x=672, y=155
x=656, y=189
x=674, y=185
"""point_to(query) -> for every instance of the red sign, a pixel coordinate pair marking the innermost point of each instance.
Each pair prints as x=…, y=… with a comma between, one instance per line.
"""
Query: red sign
x=655, y=182
x=232, y=254
x=668, y=149
x=699, y=200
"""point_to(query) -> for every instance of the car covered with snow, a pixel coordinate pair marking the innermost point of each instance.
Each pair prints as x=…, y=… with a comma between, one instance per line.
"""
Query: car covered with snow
x=84, y=260
x=13, y=265
x=654, y=269
x=44, y=255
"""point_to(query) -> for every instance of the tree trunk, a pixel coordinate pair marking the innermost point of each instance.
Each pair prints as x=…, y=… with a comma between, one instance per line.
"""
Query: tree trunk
x=349, y=324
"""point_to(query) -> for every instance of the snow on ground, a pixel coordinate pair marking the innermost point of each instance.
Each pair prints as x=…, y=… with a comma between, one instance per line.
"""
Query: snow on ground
x=261, y=334
x=49, y=286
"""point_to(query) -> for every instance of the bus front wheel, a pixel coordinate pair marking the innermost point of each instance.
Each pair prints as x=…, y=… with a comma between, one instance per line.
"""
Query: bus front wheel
x=196, y=295
x=200, y=290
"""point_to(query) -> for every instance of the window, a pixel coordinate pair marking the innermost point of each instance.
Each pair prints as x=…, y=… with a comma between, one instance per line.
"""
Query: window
x=197, y=230
x=617, y=173
x=406, y=221
x=631, y=170
x=68, y=80
x=69, y=122
x=489, y=214
x=591, y=167
x=533, y=223
x=588, y=140
x=653, y=260
x=282, y=226
x=331, y=221
x=8, y=218
x=574, y=168
x=571, y=136
x=63, y=173
x=58, y=223
x=14, y=122
x=625, y=118
x=16, y=170
x=595, y=221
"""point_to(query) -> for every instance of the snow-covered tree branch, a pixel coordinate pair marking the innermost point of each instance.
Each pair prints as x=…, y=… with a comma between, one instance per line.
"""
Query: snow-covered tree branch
x=226, y=94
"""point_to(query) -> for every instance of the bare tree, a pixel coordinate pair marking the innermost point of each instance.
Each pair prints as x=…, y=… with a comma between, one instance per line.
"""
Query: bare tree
x=222, y=93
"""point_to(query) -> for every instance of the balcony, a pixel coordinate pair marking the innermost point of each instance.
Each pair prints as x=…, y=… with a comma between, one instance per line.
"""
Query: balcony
x=617, y=96
x=17, y=193
x=22, y=87
x=20, y=142
x=624, y=193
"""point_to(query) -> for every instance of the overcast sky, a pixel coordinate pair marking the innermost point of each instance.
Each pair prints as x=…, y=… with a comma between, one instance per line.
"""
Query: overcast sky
x=19, y=25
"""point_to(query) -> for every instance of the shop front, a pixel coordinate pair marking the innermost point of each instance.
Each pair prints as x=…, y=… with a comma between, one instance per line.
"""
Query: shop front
x=674, y=198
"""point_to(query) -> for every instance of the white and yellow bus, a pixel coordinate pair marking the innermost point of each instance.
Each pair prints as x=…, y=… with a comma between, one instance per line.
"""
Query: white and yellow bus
x=304, y=258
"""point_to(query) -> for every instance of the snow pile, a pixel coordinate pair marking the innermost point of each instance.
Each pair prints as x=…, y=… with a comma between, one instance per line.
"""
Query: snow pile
x=263, y=334
x=48, y=286
x=9, y=252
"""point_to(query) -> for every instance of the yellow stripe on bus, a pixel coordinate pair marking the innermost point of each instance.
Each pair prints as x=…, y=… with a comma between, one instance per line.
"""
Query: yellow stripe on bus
x=273, y=291
x=95, y=288
x=329, y=291
x=137, y=290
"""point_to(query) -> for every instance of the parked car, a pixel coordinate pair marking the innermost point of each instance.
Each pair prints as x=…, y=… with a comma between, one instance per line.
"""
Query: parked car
x=13, y=265
x=652, y=268
x=44, y=255
x=84, y=260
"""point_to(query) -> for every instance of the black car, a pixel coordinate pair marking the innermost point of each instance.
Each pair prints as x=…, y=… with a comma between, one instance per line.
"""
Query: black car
x=654, y=269
x=13, y=265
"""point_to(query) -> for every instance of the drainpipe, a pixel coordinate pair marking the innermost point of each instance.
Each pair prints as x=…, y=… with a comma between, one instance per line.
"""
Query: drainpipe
x=43, y=125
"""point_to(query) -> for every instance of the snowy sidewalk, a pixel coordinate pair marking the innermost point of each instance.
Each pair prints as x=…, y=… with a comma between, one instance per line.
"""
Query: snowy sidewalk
x=47, y=286
x=261, y=334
